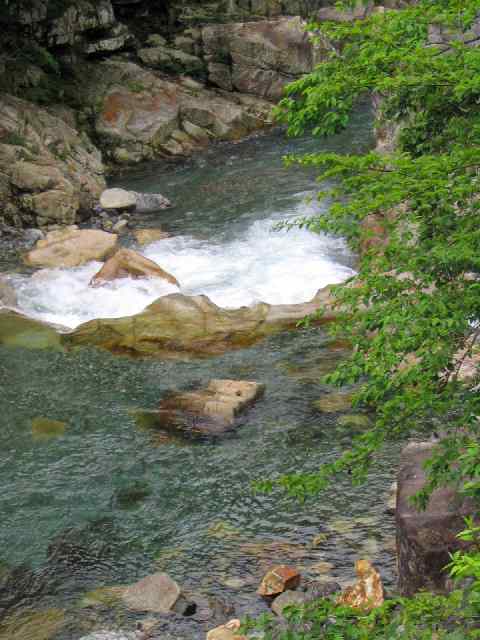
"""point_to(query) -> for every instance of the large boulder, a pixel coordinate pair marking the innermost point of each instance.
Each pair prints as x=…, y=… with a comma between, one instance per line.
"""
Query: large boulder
x=425, y=539
x=49, y=173
x=261, y=57
x=193, y=325
x=17, y=330
x=126, y=263
x=157, y=593
x=71, y=247
x=211, y=410
x=139, y=115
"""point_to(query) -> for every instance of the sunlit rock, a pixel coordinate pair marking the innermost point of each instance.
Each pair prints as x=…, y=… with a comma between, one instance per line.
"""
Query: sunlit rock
x=177, y=325
x=210, y=410
x=126, y=263
x=71, y=247
x=116, y=198
x=228, y=631
x=279, y=579
x=367, y=593
x=157, y=593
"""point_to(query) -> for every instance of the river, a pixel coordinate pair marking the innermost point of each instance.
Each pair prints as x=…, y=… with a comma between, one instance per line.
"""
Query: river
x=113, y=498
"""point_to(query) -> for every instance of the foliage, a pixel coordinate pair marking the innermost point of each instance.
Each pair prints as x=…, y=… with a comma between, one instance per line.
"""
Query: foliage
x=413, y=311
x=423, y=617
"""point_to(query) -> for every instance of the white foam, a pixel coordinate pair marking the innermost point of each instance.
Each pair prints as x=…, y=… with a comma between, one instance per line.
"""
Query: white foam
x=258, y=265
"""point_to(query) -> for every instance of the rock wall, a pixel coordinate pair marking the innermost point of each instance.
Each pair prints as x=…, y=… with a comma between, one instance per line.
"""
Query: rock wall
x=123, y=81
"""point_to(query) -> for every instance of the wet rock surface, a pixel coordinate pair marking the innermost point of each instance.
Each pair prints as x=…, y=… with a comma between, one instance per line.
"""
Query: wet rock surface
x=71, y=247
x=425, y=539
x=212, y=410
x=126, y=263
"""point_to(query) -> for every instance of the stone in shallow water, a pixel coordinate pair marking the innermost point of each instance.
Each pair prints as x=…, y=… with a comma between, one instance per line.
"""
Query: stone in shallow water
x=113, y=635
x=278, y=580
x=32, y=625
x=147, y=236
x=212, y=410
x=46, y=428
x=288, y=599
x=103, y=597
x=157, y=593
x=228, y=631
x=333, y=402
x=367, y=592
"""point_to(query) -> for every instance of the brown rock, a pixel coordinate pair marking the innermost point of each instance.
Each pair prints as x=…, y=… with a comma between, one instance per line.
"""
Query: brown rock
x=367, y=592
x=210, y=410
x=130, y=264
x=71, y=247
x=157, y=593
x=425, y=539
x=226, y=631
x=176, y=325
x=278, y=580
x=147, y=236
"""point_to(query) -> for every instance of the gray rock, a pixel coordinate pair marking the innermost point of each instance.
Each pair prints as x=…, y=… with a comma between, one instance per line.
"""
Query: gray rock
x=157, y=593
x=287, y=599
x=425, y=539
x=118, y=199
x=120, y=227
x=150, y=201
x=8, y=297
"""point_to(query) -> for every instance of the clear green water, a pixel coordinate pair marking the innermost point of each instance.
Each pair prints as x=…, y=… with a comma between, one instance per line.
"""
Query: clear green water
x=198, y=517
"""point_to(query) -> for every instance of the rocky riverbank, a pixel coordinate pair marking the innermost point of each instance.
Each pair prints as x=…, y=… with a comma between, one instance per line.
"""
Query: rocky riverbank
x=92, y=87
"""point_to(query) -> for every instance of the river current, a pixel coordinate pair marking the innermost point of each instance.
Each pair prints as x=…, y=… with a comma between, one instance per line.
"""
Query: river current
x=112, y=498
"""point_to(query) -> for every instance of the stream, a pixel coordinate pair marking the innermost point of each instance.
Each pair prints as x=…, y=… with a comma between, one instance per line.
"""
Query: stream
x=112, y=498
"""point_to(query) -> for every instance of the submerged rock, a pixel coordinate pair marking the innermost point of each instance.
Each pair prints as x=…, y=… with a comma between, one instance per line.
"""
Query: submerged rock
x=334, y=402
x=71, y=247
x=157, y=593
x=147, y=236
x=126, y=263
x=177, y=324
x=46, y=428
x=278, y=580
x=367, y=592
x=34, y=625
x=8, y=297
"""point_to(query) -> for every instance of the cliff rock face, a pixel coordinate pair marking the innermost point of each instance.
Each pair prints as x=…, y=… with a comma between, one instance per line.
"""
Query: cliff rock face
x=141, y=79
x=49, y=173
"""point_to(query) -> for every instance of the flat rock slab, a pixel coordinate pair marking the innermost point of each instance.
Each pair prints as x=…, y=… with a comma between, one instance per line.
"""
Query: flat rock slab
x=71, y=247
x=157, y=593
x=211, y=410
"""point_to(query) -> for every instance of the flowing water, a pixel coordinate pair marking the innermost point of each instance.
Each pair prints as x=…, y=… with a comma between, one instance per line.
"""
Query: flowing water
x=110, y=498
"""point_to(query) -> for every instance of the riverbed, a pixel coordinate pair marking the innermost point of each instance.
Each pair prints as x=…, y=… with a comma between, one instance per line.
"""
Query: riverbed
x=113, y=498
